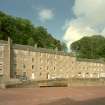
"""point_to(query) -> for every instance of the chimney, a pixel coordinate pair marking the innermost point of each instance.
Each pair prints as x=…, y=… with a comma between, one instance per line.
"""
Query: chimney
x=56, y=49
x=9, y=42
x=35, y=46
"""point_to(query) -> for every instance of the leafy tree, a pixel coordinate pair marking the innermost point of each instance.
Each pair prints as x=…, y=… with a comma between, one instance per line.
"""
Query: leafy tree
x=31, y=41
x=22, y=31
x=89, y=47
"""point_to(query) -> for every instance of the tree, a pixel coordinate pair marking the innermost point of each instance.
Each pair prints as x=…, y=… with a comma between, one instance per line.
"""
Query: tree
x=31, y=41
x=89, y=47
x=22, y=31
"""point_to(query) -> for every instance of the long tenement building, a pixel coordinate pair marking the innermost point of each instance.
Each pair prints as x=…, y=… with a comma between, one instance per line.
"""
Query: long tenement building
x=34, y=63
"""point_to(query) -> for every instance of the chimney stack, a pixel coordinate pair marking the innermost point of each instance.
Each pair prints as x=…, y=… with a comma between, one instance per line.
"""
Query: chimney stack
x=35, y=45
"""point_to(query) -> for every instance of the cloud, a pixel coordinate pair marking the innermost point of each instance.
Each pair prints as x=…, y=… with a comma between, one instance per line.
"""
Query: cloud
x=45, y=14
x=89, y=20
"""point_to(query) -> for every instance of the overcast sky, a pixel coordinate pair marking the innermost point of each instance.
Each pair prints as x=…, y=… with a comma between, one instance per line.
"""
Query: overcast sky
x=67, y=20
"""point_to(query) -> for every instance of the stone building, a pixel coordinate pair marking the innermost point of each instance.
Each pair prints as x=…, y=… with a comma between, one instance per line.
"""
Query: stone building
x=17, y=61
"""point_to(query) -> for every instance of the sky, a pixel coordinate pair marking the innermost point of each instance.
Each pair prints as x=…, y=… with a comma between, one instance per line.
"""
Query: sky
x=66, y=20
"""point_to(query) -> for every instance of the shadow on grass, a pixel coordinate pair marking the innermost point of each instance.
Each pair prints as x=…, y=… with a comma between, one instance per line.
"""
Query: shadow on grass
x=68, y=101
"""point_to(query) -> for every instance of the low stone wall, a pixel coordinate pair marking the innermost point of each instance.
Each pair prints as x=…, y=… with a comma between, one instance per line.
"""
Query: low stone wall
x=59, y=83
x=86, y=82
x=2, y=83
x=41, y=83
x=13, y=82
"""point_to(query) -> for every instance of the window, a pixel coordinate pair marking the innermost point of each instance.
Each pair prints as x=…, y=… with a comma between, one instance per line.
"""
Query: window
x=79, y=73
x=1, y=51
x=87, y=73
x=1, y=66
x=40, y=74
x=32, y=66
x=32, y=59
x=47, y=67
x=24, y=66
